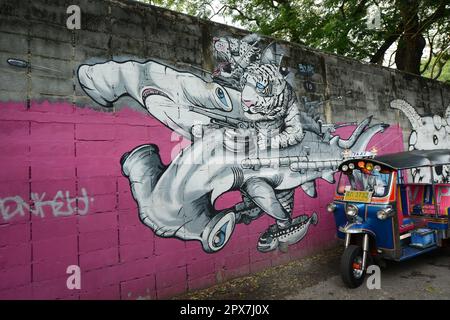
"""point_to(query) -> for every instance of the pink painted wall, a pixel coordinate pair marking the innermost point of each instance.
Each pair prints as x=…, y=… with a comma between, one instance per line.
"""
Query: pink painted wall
x=55, y=147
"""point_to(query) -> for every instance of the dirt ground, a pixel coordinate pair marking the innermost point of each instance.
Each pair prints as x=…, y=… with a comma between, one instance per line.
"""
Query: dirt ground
x=317, y=277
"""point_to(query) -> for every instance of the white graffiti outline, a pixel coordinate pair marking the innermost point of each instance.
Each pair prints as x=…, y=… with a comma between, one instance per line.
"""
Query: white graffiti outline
x=16, y=205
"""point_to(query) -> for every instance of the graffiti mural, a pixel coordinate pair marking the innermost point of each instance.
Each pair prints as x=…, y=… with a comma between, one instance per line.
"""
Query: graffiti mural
x=248, y=133
x=428, y=133
x=61, y=205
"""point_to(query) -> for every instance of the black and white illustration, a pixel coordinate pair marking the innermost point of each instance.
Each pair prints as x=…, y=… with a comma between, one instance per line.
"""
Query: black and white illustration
x=248, y=133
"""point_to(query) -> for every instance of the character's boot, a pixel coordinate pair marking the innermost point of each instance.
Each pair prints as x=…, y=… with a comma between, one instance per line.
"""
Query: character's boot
x=286, y=233
x=143, y=167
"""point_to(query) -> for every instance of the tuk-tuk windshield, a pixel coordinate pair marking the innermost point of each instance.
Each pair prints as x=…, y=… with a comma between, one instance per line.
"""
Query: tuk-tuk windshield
x=357, y=180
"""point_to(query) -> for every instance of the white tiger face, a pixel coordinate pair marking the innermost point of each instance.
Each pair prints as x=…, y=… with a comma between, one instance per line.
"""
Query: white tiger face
x=263, y=94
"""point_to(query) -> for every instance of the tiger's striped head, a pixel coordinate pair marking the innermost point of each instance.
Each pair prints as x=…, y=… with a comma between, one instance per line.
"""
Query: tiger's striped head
x=265, y=92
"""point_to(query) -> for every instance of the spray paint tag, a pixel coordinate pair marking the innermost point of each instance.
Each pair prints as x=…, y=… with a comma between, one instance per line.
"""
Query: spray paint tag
x=309, y=86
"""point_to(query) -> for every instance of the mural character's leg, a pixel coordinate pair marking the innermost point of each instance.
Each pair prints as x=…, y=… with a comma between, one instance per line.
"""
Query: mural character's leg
x=247, y=211
x=286, y=232
x=278, y=235
x=174, y=214
x=143, y=167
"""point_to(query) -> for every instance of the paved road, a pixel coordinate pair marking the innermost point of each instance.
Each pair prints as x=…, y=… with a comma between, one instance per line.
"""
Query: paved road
x=426, y=277
x=317, y=277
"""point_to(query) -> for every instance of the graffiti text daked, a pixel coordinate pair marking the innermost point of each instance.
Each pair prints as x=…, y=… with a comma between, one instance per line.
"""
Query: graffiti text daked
x=62, y=204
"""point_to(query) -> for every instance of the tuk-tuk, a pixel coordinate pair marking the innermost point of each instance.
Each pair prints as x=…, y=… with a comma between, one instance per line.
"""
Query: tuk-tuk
x=392, y=207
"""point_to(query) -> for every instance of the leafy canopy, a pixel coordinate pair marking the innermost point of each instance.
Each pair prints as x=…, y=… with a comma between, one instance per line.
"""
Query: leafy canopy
x=367, y=30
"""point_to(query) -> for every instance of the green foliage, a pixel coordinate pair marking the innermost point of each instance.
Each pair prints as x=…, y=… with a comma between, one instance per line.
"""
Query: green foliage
x=429, y=72
x=335, y=26
x=199, y=8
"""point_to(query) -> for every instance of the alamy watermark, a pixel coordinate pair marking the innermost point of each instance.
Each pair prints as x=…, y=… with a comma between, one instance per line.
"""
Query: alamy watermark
x=373, y=20
x=73, y=22
x=374, y=278
x=74, y=280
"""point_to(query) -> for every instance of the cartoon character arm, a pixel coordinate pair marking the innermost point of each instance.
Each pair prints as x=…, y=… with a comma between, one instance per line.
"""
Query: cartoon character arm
x=107, y=82
x=292, y=132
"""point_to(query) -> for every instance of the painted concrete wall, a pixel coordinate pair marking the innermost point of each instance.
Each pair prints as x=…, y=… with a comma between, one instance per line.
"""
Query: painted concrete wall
x=88, y=97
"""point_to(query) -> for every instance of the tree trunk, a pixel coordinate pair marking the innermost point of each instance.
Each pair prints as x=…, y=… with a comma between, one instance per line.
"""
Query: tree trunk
x=411, y=43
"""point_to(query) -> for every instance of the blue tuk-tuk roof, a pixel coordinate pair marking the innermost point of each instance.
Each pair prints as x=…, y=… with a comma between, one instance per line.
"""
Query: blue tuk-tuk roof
x=410, y=159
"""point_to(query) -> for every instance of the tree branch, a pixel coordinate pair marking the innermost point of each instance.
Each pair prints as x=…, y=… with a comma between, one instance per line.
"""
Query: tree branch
x=341, y=9
x=441, y=59
x=388, y=42
x=244, y=15
x=390, y=64
x=440, y=12
x=216, y=13
x=359, y=8
x=430, y=41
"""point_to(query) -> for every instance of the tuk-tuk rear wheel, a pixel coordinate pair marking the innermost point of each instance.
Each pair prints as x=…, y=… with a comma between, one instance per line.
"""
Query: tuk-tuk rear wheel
x=350, y=260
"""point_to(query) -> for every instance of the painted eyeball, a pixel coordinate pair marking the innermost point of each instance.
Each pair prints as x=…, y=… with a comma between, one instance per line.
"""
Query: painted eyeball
x=220, y=93
x=222, y=98
x=262, y=88
x=435, y=140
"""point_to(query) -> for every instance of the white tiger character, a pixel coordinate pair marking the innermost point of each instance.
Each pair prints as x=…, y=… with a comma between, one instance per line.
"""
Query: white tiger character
x=270, y=102
x=234, y=55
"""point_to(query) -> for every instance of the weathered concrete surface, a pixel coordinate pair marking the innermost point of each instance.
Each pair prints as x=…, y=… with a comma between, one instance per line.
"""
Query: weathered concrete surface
x=317, y=277
x=423, y=278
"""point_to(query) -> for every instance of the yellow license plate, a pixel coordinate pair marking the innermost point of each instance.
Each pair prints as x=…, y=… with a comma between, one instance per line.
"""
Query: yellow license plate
x=358, y=196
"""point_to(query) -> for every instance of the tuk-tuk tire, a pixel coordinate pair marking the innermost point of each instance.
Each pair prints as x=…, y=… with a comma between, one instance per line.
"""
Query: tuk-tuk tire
x=347, y=258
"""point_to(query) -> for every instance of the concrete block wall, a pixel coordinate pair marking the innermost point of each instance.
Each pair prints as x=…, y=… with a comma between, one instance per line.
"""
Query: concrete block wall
x=63, y=198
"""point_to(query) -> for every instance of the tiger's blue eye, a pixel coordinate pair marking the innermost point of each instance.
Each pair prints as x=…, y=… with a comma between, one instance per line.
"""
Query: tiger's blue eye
x=260, y=86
